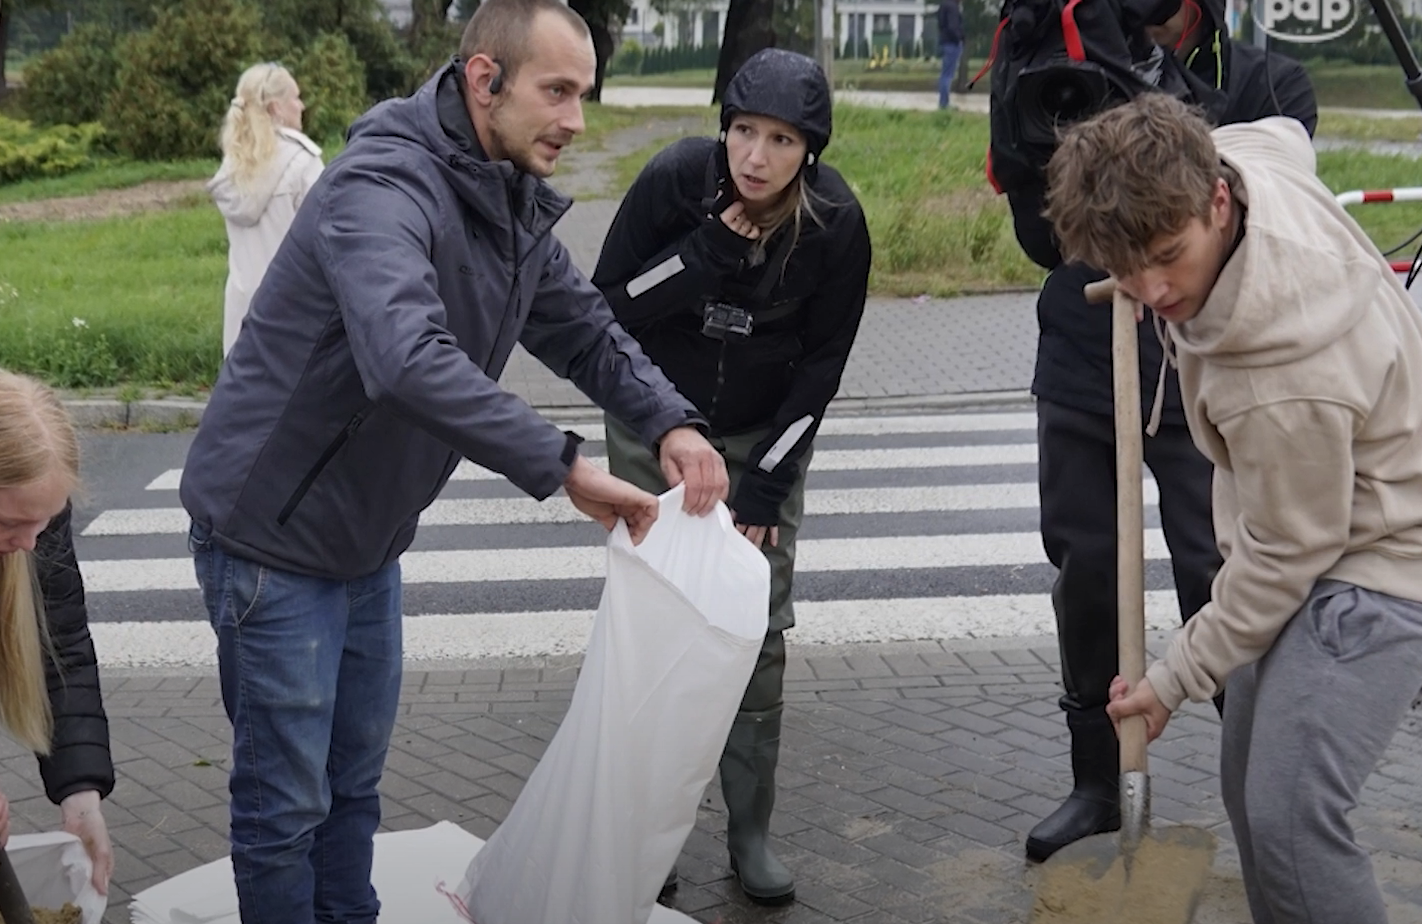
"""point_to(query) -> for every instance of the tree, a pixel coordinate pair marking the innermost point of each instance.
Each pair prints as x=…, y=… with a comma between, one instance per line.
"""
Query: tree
x=5, y=15
x=604, y=19
x=429, y=16
x=749, y=28
x=8, y=9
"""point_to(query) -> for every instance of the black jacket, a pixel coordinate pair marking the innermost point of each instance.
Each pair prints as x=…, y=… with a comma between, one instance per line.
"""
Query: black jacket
x=79, y=758
x=1074, y=349
x=369, y=362
x=950, y=22
x=784, y=375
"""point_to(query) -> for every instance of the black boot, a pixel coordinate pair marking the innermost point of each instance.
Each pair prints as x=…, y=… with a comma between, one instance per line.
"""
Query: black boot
x=1094, y=805
x=748, y=783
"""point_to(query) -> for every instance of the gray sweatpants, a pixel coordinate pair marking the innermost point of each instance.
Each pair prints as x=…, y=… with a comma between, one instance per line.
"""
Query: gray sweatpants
x=1303, y=729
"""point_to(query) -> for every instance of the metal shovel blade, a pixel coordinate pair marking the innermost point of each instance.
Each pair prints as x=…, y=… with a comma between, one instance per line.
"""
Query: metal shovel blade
x=1096, y=881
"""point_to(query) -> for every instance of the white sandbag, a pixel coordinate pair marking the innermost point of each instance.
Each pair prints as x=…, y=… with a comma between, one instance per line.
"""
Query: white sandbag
x=605, y=813
x=54, y=868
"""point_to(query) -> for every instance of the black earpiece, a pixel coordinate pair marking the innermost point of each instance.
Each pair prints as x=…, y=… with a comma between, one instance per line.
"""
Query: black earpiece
x=497, y=83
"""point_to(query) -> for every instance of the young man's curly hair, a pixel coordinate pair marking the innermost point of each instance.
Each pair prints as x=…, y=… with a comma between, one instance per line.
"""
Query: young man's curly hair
x=1122, y=179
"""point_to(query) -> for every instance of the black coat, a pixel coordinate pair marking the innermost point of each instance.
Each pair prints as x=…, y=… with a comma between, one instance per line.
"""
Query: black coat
x=1074, y=349
x=79, y=758
x=950, y=22
x=783, y=376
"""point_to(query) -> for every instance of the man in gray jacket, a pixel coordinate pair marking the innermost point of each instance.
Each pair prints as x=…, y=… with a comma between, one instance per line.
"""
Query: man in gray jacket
x=365, y=369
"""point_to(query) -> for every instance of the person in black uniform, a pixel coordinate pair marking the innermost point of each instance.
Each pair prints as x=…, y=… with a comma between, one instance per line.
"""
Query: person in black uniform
x=741, y=265
x=49, y=677
x=1076, y=435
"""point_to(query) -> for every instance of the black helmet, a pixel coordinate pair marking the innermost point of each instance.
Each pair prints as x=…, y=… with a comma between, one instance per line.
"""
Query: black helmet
x=787, y=86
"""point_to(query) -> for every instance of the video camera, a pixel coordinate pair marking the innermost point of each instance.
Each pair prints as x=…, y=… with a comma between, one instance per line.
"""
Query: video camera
x=1056, y=62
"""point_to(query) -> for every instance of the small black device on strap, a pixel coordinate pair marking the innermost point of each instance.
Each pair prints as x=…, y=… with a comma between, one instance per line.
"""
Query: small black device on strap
x=722, y=320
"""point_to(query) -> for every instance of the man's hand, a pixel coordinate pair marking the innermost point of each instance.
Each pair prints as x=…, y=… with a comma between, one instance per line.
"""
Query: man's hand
x=85, y=820
x=1140, y=701
x=687, y=457
x=758, y=534
x=606, y=498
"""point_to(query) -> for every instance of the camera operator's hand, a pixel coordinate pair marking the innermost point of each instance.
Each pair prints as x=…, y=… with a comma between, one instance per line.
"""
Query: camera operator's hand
x=734, y=217
x=758, y=534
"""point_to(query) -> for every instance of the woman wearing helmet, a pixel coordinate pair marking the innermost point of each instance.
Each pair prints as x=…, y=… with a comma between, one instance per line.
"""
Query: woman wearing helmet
x=740, y=264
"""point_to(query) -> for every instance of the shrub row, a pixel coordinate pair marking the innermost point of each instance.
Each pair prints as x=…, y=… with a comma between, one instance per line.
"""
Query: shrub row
x=161, y=93
x=29, y=153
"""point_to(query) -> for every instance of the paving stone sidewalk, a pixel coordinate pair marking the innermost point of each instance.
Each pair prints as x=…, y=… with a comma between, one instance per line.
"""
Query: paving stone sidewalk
x=910, y=774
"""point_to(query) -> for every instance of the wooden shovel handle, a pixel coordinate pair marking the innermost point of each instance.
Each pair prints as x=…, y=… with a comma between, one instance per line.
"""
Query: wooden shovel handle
x=1130, y=542
x=1100, y=291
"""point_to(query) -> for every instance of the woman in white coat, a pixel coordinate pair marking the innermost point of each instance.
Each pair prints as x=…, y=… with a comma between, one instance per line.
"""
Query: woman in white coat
x=268, y=166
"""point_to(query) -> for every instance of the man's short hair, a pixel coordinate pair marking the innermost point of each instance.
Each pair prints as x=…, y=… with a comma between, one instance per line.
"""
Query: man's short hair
x=1122, y=179
x=503, y=29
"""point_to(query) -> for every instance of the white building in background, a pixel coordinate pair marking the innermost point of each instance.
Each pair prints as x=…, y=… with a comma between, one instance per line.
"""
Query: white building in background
x=860, y=24
x=692, y=25
x=400, y=14
x=398, y=10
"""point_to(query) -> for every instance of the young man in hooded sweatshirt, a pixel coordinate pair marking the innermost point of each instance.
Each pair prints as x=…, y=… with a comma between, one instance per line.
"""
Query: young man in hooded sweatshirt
x=1300, y=358
x=1237, y=83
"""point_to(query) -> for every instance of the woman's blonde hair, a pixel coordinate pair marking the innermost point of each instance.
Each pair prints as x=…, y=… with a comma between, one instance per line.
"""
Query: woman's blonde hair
x=37, y=439
x=249, y=136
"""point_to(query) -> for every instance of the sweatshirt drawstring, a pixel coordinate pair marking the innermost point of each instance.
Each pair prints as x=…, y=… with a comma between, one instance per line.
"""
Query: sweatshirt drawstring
x=1167, y=359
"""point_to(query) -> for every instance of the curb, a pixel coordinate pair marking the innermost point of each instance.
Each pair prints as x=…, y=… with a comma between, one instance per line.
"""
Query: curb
x=163, y=415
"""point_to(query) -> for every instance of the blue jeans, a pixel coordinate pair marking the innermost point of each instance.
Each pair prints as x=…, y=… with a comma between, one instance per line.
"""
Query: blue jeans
x=310, y=672
x=951, y=52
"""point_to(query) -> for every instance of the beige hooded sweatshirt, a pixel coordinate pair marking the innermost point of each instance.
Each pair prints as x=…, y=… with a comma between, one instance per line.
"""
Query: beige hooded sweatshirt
x=1302, y=383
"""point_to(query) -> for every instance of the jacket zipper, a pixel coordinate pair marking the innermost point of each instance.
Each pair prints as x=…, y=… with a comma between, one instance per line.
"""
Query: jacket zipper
x=720, y=381
x=516, y=296
x=321, y=463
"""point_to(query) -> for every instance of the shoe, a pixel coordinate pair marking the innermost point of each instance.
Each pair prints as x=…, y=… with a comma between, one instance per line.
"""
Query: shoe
x=1094, y=805
x=748, y=784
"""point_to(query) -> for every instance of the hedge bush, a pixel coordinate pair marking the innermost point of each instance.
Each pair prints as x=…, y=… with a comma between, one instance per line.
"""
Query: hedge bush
x=175, y=80
x=70, y=83
x=27, y=153
x=332, y=81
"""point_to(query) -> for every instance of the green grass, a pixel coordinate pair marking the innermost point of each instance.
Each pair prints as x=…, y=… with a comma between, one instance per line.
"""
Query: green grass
x=1387, y=224
x=603, y=121
x=1333, y=123
x=138, y=299
x=937, y=227
x=1360, y=86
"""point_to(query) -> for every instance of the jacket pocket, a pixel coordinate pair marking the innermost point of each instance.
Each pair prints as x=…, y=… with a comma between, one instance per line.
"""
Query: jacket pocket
x=321, y=462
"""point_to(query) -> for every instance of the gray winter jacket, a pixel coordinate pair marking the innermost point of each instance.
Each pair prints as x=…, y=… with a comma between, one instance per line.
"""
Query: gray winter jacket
x=369, y=360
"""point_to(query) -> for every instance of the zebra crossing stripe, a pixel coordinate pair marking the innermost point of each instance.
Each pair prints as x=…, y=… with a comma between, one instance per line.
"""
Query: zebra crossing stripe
x=459, y=566
x=459, y=637
x=157, y=521
x=826, y=460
